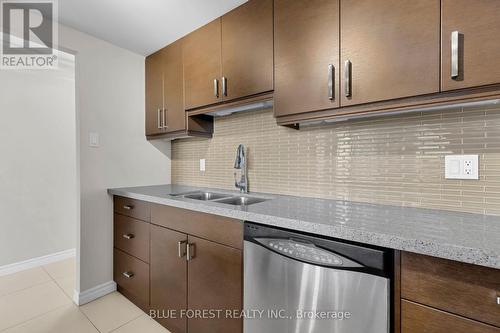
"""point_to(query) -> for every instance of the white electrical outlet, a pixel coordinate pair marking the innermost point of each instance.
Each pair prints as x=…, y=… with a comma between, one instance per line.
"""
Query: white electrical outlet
x=462, y=167
x=202, y=164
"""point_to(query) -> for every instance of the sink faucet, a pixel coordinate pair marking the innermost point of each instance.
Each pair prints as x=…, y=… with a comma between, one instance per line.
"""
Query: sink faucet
x=241, y=164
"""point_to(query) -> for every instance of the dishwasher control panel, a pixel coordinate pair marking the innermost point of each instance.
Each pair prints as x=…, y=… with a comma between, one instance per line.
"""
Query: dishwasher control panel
x=305, y=252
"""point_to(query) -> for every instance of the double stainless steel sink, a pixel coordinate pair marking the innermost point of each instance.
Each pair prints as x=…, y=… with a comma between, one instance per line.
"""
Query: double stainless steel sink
x=235, y=200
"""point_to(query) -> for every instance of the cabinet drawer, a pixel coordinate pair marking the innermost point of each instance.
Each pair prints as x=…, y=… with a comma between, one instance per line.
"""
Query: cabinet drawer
x=131, y=207
x=136, y=285
x=467, y=290
x=212, y=227
x=132, y=236
x=417, y=318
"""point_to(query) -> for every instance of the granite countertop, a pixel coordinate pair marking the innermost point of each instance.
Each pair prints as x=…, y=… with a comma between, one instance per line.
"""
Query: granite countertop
x=465, y=237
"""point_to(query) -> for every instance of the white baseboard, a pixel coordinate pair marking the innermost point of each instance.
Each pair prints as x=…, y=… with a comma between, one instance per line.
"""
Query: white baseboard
x=94, y=293
x=36, y=262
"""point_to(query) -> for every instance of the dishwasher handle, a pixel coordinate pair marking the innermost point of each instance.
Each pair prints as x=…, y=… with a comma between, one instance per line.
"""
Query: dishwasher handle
x=307, y=252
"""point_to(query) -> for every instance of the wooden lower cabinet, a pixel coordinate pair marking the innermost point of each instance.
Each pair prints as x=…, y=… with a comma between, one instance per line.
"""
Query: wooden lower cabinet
x=222, y=230
x=132, y=208
x=151, y=267
x=212, y=279
x=132, y=277
x=132, y=236
x=190, y=273
x=168, y=277
x=441, y=296
x=467, y=290
x=418, y=318
x=215, y=282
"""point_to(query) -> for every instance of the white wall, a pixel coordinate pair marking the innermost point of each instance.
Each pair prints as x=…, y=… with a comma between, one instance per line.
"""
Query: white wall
x=38, y=201
x=110, y=101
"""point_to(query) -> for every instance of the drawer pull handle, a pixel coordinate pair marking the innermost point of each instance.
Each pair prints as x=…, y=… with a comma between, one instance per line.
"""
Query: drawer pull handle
x=128, y=236
x=181, y=247
x=190, y=251
x=498, y=300
x=128, y=207
x=128, y=275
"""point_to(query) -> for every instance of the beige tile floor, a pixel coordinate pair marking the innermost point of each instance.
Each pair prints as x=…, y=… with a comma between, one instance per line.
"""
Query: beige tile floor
x=39, y=300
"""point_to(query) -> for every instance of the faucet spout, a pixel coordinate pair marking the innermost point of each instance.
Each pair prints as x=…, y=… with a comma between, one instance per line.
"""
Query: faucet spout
x=241, y=164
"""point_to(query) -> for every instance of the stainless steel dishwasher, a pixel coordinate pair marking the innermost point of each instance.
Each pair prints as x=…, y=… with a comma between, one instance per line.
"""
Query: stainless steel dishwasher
x=297, y=283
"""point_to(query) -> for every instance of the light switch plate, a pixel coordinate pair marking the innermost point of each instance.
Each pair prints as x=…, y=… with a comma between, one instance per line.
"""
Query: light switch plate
x=462, y=167
x=202, y=164
x=93, y=139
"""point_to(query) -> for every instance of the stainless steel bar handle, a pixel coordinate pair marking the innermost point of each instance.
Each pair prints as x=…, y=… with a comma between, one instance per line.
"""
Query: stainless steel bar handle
x=159, y=118
x=455, y=67
x=216, y=88
x=347, y=78
x=498, y=300
x=128, y=236
x=224, y=86
x=331, y=83
x=128, y=275
x=189, y=251
x=181, y=247
x=165, y=113
x=128, y=207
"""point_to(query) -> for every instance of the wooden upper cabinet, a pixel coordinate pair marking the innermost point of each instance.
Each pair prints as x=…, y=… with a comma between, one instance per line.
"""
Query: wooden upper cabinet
x=247, y=49
x=202, y=66
x=175, y=116
x=231, y=57
x=154, y=93
x=393, y=47
x=164, y=91
x=306, y=46
x=477, y=24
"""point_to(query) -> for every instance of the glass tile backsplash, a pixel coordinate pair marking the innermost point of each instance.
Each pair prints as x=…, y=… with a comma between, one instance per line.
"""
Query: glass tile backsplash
x=396, y=160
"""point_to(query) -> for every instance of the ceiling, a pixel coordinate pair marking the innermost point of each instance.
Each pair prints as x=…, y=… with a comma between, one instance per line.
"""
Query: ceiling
x=141, y=26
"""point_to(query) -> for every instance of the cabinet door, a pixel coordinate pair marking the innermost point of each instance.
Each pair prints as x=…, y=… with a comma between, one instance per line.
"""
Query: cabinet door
x=466, y=290
x=306, y=43
x=478, y=25
x=247, y=49
x=168, y=277
x=417, y=318
x=202, y=65
x=175, y=116
x=215, y=281
x=393, y=48
x=154, y=93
